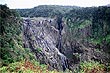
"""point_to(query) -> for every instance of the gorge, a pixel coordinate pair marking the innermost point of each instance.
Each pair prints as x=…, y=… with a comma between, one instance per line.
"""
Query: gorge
x=46, y=39
x=40, y=34
x=64, y=38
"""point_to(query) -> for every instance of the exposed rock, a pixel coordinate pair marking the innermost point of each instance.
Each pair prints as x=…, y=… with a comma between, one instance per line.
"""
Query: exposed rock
x=40, y=34
x=53, y=46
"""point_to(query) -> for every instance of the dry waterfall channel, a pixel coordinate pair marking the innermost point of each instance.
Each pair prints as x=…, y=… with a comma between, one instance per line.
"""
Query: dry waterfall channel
x=41, y=35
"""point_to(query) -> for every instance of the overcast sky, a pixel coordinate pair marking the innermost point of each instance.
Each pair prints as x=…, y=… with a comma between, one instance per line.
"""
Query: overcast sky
x=32, y=3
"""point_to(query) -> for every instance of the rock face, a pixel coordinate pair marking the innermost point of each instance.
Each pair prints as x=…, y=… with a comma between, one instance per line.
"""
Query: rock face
x=41, y=37
x=50, y=41
x=77, y=49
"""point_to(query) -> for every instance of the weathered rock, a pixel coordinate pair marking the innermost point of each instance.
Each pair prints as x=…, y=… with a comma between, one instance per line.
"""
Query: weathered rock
x=57, y=47
x=41, y=37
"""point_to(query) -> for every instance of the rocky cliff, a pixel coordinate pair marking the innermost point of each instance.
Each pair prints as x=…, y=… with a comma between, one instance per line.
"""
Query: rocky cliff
x=78, y=41
x=41, y=37
x=50, y=42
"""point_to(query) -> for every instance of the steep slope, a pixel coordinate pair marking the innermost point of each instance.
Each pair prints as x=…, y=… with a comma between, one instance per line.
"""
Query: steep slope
x=48, y=42
x=11, y=42
x=74, y=39
x=72, y=35
x=41, y=37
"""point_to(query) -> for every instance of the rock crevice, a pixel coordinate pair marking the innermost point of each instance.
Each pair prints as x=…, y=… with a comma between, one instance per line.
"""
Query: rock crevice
x=39, y=36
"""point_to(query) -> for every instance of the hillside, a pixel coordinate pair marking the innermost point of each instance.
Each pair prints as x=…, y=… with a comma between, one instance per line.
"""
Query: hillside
x=45, y=11
x=59, y=39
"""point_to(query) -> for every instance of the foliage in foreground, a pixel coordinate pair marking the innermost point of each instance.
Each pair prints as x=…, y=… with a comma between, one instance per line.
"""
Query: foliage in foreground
x=25, y=67
x=93, y=67
x=11, y=41
x=28, y=67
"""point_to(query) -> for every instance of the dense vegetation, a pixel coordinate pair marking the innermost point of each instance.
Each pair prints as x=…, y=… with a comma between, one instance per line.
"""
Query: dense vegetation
x=12, y=53
x=101, y=24
x=27, y=67
x=16, y=58
x=45, y=11
x=95, y=19
x=9, y=35
x=13, y=56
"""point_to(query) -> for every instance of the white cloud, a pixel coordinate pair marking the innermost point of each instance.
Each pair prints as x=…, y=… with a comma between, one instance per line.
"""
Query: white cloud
x=32, y=3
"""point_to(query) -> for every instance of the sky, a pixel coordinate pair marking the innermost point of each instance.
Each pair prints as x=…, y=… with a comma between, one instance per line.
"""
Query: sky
x=32, y=3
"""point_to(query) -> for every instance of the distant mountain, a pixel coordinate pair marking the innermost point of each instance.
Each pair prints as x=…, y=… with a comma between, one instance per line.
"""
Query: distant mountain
x=45, y=10
x=108, y=5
